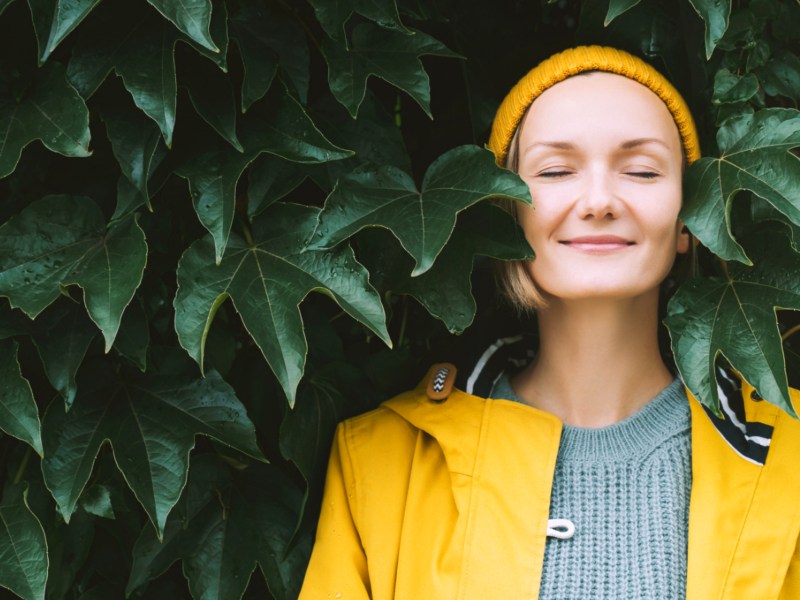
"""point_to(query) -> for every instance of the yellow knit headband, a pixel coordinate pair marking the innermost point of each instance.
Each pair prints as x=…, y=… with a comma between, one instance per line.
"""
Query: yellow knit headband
x=588, y=58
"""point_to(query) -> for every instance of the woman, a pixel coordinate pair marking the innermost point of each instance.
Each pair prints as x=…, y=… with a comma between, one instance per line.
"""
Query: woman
x=589, y=473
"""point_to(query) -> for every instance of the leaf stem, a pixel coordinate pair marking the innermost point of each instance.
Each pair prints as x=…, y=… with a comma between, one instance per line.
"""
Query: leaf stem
x=724, y=265
x=248, y=235
x=22, y=466
x=790, y=333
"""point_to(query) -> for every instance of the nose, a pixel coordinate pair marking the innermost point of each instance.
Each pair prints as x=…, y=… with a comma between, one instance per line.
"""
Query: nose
x=598, y=196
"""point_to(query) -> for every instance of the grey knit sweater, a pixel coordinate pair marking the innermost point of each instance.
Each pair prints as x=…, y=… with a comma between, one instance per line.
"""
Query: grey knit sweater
x=626, y=488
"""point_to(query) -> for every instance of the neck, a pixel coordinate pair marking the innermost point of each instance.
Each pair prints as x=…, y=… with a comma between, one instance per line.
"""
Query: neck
x=598, y=361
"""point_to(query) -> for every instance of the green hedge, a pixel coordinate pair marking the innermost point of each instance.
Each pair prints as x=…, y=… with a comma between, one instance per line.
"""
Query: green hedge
x=177, y=177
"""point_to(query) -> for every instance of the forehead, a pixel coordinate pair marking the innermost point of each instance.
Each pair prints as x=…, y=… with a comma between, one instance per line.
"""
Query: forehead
x=599, y=106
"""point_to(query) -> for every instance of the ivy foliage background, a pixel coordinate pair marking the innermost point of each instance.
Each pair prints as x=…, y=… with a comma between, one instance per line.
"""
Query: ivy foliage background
x=176, y=178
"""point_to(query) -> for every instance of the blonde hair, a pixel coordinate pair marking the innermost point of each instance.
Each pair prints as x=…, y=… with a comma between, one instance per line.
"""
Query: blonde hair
x=513, y=277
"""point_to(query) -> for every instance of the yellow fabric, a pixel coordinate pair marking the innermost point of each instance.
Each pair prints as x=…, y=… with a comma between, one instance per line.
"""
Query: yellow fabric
x=577, y=60
x=451, y=500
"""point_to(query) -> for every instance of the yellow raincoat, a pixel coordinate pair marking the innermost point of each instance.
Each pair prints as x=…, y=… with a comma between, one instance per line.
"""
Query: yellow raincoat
x=449, y=498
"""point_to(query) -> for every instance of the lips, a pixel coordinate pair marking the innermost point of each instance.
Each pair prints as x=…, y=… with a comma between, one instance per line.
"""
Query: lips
x=597, y=243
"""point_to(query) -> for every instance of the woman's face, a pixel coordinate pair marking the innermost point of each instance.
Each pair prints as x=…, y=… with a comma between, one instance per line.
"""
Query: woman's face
x=602, y=157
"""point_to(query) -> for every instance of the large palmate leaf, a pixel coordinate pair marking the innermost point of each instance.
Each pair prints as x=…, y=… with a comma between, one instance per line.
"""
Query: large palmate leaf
x=279, y=126
x=228, y=525
x=269, y=40
x=192, y=17
x=735, y=317
x=151, y=423
x=446, y=289
x=756, y=156
x=62, y=335
x=333, y=14
x=23, y=548
x=386, y=54
x=421, y=220
x=266, y=281
x=49, y=110
x=63, y=240
x=19, y=416
x=53, y=20
x=715, y=13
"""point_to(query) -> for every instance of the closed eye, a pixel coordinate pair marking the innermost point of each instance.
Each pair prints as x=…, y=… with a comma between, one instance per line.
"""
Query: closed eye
x=554, y=174
x=643, y=174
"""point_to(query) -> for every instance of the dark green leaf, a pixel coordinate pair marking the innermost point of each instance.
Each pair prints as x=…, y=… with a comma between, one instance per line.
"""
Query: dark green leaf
x=333, y=14
x=389, y=55
x=62, y=240
x=212, y=178
x=151, y=423
x=62, y=336
x=68, y=547
x=755, y=156
x=730, y=88
x=192, y=17
x=735, y=317
x=307, y=430
x=144, y=56
x=55, y=19
x=227, y=528
x=268, y=40
x=219, y=35
x=715, y=13
x=19, y=416
x=148, y=71
x=50, y=111
x=96, y=500
x=129, y=200
x=266, y=281
x=133, y=338
x=446, y=290
x=211, y=93
x=279, y=126
x=781, y=76
x=374, y=136
x=134, y=140
x=140, y=47
x=617, y=7
x=422, y=221
x=23, y=548
x=271, y=178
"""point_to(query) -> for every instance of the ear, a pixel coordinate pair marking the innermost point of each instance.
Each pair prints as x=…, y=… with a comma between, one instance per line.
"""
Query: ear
x=684, y=238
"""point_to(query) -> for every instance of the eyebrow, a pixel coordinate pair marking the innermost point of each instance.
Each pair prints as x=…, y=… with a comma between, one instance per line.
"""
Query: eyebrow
x=641, y=142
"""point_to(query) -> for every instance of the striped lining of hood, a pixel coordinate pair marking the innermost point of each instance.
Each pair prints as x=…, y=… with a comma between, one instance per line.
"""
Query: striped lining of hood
x=749, y=439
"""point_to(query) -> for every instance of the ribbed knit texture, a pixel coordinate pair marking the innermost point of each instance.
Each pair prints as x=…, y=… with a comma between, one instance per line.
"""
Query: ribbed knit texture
x=626, y=488
x=577, y=60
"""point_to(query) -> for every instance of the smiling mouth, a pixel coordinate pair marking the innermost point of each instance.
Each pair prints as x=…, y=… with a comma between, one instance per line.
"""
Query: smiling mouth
x=597, y=244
